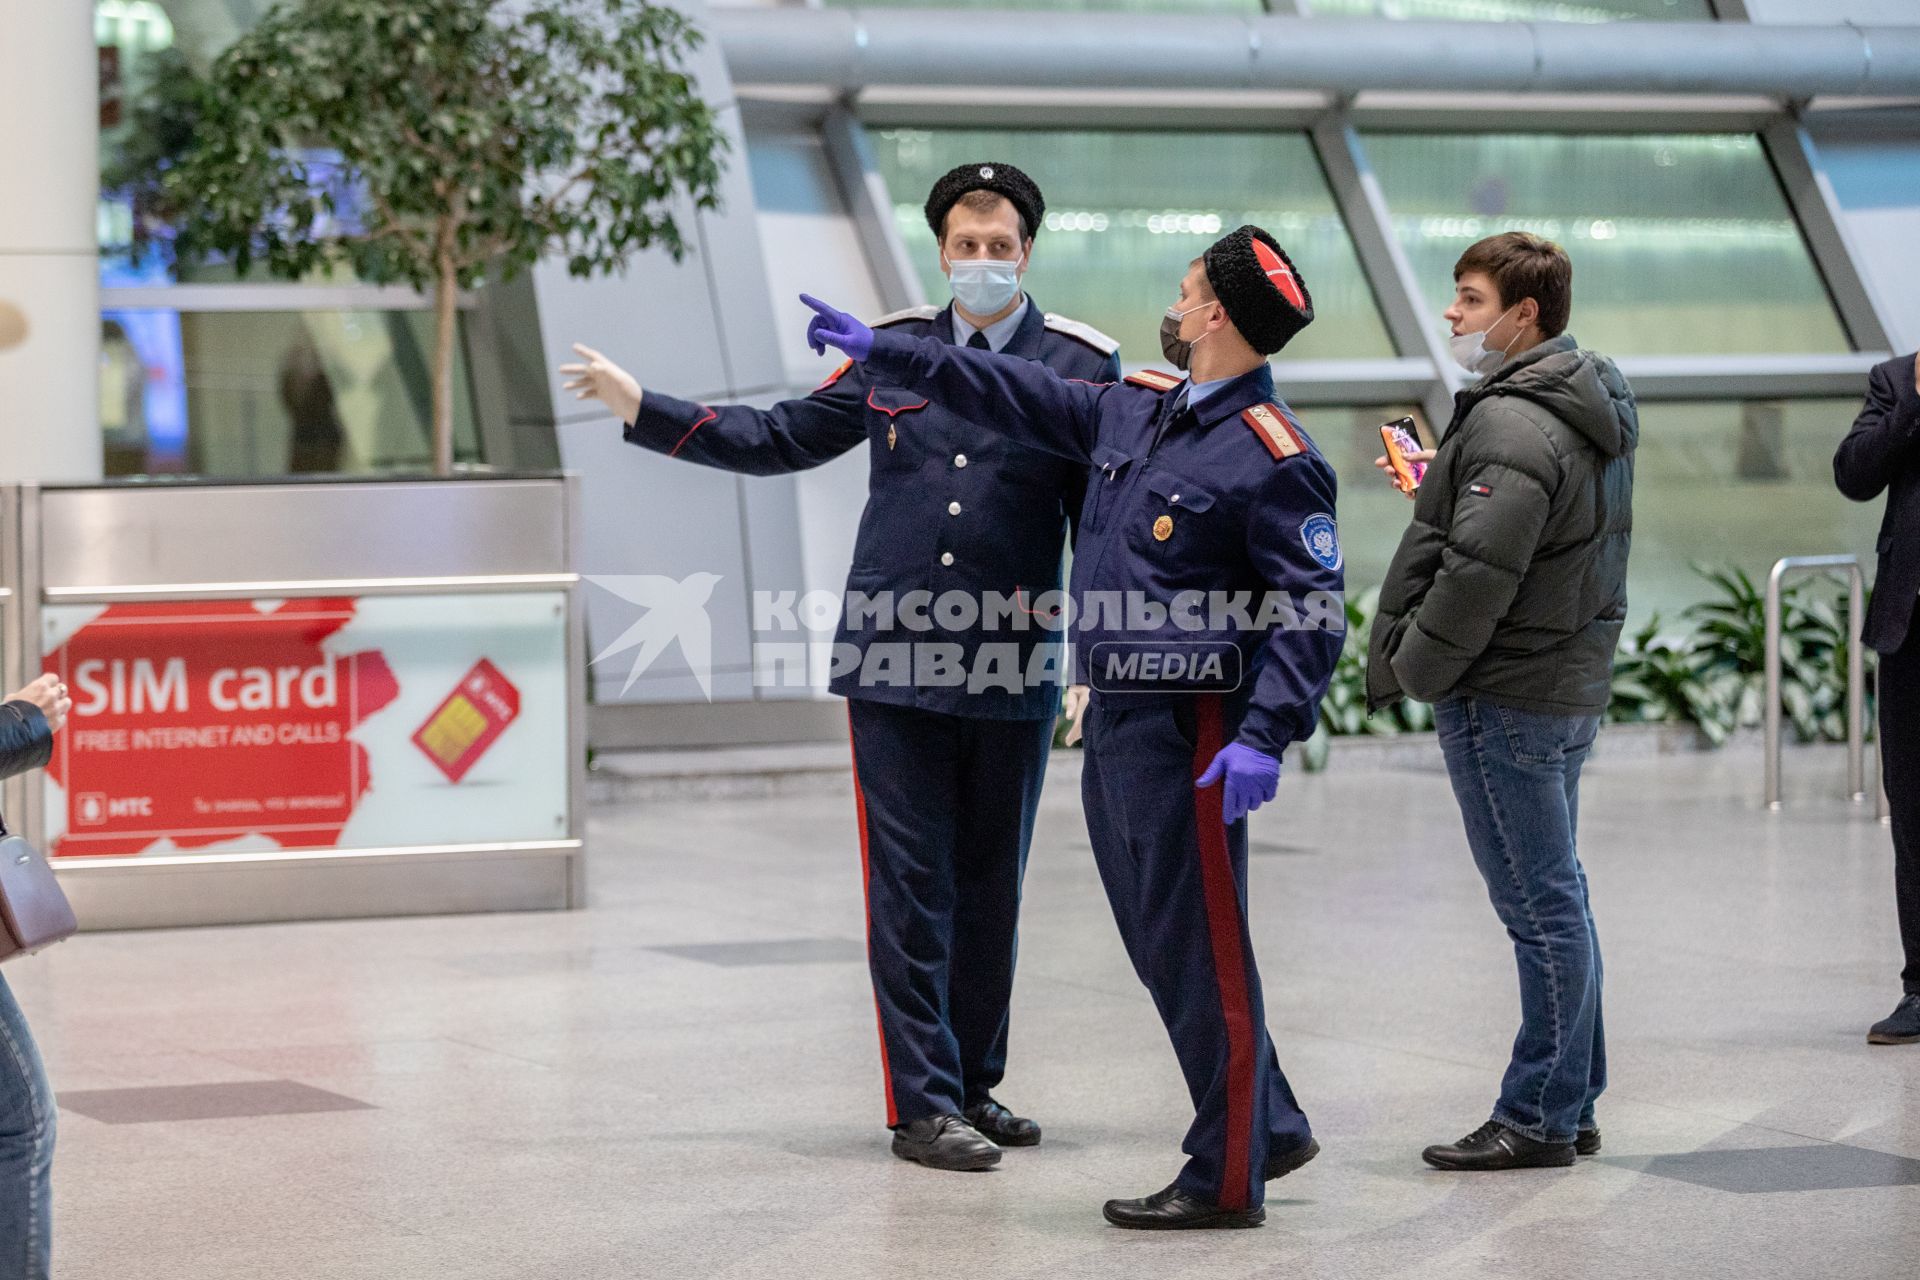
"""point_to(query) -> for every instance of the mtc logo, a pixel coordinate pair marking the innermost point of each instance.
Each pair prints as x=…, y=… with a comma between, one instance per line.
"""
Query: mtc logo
x=96, y=809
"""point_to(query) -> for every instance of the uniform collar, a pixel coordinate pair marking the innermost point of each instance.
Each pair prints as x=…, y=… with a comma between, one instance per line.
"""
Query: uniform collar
x=1026, y=336
x=1255, y=386
x=1003, y=335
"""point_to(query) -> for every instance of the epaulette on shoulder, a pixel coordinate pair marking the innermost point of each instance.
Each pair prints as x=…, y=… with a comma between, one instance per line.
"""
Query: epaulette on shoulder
x=1276, y=430
x=910, y=313
x=1154, y=380
x=833, y=377
x=1085, y=333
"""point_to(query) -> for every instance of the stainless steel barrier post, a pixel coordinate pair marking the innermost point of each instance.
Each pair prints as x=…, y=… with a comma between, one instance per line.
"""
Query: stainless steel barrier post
x=1856, y=674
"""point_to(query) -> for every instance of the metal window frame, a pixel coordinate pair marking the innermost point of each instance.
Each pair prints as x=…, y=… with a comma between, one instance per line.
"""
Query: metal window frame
x=1412, y=373
x=847, y=49
x=1422, y=370
x=1363, y=207
x=856, y=170
x=1816, y=210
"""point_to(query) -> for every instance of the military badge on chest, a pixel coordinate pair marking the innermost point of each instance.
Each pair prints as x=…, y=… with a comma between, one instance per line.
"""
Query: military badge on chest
x=1163, y=528
x=893, y=436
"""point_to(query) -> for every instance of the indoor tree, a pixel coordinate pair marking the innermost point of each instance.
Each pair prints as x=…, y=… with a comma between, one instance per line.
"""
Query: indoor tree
x=436, y=143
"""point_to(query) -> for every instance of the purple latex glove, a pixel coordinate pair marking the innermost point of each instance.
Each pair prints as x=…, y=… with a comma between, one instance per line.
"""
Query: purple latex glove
x=1252, y=778
x=830, y=328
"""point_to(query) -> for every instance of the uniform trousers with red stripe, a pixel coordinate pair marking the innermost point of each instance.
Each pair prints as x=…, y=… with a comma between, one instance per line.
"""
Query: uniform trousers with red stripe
x=1176, y=876
x=946, y=806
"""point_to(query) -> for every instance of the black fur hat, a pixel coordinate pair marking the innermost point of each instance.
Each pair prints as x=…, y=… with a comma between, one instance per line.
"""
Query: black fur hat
x=990, y=175
x=1256, y=283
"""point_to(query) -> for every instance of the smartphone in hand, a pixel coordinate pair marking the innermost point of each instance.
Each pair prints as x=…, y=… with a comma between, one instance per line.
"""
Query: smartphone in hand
x=1402, y=443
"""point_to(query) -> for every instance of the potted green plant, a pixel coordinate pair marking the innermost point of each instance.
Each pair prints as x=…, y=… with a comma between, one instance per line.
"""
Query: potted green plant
x=438, y=143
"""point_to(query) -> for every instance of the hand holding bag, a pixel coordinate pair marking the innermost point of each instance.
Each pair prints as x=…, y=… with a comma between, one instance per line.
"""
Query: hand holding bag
x=34, y=912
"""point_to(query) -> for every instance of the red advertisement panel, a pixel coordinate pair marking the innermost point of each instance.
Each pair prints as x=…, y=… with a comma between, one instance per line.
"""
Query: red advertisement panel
x=201, y=722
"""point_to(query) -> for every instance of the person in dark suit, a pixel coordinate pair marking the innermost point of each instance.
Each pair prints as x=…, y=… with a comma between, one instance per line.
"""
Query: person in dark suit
x=1882, y=452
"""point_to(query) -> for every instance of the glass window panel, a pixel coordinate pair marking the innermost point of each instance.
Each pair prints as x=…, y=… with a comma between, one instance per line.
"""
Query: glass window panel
x=1681, y=244
x=1515, y=10
x=1736, y=483
x=266, y=393
x=1126, y=213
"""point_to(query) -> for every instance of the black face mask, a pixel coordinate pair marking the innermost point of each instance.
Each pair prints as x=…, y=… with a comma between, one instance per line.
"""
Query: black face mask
x=1177, y=350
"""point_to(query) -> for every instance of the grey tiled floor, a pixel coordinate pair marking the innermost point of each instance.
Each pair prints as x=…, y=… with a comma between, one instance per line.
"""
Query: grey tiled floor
x=626, y=1092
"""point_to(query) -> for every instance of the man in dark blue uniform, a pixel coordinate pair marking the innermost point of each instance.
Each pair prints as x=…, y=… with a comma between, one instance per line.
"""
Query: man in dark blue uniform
x=946, y=777
x=1205, y=492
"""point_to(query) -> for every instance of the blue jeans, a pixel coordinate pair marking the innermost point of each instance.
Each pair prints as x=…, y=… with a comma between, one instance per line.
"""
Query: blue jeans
x=26, y=1150
x=1516, y=775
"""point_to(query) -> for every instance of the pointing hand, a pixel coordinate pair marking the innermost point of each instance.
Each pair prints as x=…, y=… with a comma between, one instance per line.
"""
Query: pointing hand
x=831, y=328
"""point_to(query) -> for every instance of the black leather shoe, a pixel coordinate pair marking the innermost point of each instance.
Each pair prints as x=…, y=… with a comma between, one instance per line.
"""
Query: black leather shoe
x=1279, y=1166
x=944, y=1142
x=1175, y=1210
x=1902, y=1026
x=1001, y=1125
x=1494, y=1146
x=1586, y=1142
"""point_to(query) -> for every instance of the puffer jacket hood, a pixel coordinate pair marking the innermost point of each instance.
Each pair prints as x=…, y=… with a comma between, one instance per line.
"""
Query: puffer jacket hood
x=1582, y=388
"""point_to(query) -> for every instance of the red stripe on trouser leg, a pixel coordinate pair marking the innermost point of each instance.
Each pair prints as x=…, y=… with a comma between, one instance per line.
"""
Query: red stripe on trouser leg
x=1229, y=959
x=866, y=894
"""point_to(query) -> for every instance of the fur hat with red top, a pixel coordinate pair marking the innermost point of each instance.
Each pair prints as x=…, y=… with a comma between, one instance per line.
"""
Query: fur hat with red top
x=1256, y=283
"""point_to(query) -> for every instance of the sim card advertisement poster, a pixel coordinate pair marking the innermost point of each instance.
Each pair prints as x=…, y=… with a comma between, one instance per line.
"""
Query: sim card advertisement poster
x=337, y=723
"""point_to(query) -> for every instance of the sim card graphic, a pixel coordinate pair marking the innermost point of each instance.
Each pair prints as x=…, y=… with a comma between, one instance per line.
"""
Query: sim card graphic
x=469, y=721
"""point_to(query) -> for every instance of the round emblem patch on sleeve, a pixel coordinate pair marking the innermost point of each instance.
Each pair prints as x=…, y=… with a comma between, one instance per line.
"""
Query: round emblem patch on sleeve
x=1322, y=539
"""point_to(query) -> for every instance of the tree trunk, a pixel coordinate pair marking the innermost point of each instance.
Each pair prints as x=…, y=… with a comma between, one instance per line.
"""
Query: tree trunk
x=446, y=316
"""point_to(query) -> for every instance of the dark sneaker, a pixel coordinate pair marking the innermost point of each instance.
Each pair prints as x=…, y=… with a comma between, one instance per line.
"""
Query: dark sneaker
x=1175, y=1210
x=1279, y=1166
x=1494, y=1146
x=1902, y=1026
x=1587, y=1142
x=1001, y=1125
x=944, y=1142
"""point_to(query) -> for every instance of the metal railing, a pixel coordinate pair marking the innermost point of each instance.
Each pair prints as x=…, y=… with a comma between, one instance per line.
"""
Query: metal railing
x=1856, y=672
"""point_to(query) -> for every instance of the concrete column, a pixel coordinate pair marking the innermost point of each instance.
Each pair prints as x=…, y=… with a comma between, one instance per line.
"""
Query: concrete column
x=49, y=271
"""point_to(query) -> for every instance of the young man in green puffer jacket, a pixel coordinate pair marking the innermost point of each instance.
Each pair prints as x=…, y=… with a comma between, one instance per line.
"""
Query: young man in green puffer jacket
x=1502, y=607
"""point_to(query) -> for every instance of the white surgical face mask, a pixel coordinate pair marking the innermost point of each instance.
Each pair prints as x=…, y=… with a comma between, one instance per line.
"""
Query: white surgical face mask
x=1470, y=350
x=985, y=286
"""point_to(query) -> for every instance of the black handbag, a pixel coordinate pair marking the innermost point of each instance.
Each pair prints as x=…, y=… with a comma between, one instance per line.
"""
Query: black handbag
x=34, y=911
